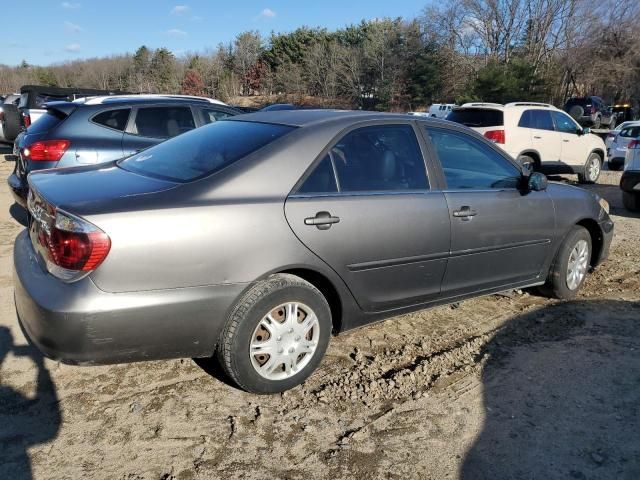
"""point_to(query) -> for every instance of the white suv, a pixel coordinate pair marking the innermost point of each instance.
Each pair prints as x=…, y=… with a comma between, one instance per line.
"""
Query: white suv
x=538, y=134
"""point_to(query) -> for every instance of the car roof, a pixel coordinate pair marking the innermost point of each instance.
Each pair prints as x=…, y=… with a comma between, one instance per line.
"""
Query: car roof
x=303, y=118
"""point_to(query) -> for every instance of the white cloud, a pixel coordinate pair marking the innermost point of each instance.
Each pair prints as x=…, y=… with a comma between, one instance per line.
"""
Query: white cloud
x=267, y=13
x=72, y=47
x=70, y=6
x=72, y=27
x=176, y=32
x=180, y=9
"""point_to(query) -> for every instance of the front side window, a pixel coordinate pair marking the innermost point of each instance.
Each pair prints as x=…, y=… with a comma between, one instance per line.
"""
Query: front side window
x=565, y=123
x=163, y=122
x=116, y=119
x=378, y=158
x=538, y=119
x=630, y=132
x=211, y=115
x=203, y=151
x=470, y=164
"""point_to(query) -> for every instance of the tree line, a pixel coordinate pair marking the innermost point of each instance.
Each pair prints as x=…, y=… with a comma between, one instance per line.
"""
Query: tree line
x=454, y=51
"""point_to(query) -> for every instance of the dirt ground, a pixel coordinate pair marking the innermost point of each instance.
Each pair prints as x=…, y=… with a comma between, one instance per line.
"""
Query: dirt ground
x=510, y=386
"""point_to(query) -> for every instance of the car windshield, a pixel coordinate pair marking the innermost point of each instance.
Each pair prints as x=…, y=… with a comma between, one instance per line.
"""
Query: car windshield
x=203, y=151
x=477, y=117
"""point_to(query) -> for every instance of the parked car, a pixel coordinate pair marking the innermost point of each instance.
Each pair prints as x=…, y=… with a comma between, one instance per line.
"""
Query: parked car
x=537, y=134
x=624, y=112
x=101, y=129
x=9, y=117
x=613, y=133
x=630, y=181
x=617, y=150
x=441, y=110
x=257, y=236
x=591, y=111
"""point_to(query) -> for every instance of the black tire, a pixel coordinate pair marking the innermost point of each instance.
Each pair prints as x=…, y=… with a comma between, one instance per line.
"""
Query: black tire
x=589, y=174
x=556, y=284
x=614, y=166
x=244, y=319
x=528, y=160
x=597, y=123
x=631, y=201
x=11, y=124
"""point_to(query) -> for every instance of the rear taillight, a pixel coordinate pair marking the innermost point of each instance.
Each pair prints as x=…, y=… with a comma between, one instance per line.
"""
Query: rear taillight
x=26, y=119
x=1, y=116
x=634, y=144
x=46, y=151
x=496, y=136
x=71, y=246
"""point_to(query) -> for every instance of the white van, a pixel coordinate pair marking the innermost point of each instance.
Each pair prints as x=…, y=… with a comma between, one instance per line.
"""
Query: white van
x=441, y=110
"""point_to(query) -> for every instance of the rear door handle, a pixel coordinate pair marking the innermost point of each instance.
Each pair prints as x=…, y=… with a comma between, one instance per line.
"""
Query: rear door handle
x=565, y=140
x=322, y=220
x=537, y=137
x=465, y=213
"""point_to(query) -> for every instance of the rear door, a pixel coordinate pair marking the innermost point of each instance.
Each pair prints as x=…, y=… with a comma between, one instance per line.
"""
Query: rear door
x=102, y=141
x=368, y=210
x=500, y=236
x=153, y=124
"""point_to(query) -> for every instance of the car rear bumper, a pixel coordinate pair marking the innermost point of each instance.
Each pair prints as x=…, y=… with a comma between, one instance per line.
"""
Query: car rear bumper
x=78, y=323
x=630, y=181
x=19, y=189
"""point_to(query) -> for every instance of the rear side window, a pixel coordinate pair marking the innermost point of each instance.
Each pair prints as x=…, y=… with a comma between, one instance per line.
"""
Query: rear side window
x=470, y=164
x=116, y=119
x=477, y=117
x=538, y=119
x=630, y=132
x=322, y=179
x=379, y=158
x=204, y=151
x=46, y=122
x=163, y=122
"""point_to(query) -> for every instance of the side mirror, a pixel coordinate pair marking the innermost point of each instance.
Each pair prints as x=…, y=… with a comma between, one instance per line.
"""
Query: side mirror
x=537, y=182
x=584, y=131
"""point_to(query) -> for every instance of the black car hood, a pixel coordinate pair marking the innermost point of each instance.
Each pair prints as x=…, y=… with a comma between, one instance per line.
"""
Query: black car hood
x=84, y=188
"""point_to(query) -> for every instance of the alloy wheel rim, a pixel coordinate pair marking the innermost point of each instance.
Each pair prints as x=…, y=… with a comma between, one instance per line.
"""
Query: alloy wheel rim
x=594, y=169
x=284, y=341
x=577, y=265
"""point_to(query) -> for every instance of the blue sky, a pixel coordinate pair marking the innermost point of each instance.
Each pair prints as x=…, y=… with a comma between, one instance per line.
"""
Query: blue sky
x=58, y=31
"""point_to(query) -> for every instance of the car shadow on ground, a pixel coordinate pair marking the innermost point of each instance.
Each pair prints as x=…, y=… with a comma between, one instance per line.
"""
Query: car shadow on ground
x=25, y=421
x=562, y=395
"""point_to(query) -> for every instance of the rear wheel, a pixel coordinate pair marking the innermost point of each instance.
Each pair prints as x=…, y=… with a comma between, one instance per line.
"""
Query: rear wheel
x=570, y=266
x=631, y=201
x=528, y=162
x=592, y=169
x=597, y=123
x=276, y=335
x=11, y=122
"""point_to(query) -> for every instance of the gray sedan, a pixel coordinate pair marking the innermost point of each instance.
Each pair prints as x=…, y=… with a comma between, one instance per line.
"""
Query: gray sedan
x=252, y=239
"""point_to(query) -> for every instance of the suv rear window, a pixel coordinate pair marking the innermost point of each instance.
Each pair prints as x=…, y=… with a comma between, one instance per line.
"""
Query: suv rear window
x=630, y=132
x=477, y=117
x=203, y=151
x=46, y=122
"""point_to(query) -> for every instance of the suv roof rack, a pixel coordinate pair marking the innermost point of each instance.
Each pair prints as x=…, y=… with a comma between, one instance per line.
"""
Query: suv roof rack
x=529, y=104
x=103, y=99
x=482, y=104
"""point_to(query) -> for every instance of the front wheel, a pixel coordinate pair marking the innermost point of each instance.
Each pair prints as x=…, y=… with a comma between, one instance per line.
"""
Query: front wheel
x=592, y=169
x=570, y=267
x=631, y=201
x=276, y=335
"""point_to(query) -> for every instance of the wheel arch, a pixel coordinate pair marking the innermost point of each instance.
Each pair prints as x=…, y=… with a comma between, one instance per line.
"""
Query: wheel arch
x=533, y=154
x=600, y=153
x=597, y=239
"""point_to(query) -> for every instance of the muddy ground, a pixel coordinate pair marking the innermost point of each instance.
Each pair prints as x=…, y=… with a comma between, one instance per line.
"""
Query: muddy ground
x=508, y=386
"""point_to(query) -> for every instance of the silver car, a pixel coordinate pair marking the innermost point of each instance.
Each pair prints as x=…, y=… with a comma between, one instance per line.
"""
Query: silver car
x=256, y=237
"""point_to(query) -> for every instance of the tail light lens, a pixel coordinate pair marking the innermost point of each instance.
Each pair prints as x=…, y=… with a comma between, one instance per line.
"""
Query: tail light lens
x=70, y=246
x=1, y=116
x=26, y=119
x=46, y=151
x=496, y=136
x=634, y=144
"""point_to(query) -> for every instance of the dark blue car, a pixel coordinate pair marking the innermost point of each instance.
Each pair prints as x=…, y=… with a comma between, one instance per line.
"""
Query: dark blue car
x=101, y=129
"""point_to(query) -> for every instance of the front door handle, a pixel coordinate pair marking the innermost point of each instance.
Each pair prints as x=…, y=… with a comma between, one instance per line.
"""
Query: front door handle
x=565, y=140
x=322, y=220
x=465, y=213
x=537, y=137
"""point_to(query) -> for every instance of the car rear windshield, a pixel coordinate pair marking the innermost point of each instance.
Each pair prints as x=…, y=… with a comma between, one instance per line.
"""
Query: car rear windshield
x=477, y=117
x=630, y=132
x=203, y=151
x=46, y=122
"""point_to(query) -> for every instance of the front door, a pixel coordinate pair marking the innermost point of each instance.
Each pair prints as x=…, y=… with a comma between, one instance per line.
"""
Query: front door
x=367, y=210
x=573, y=151
x=500, y=235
